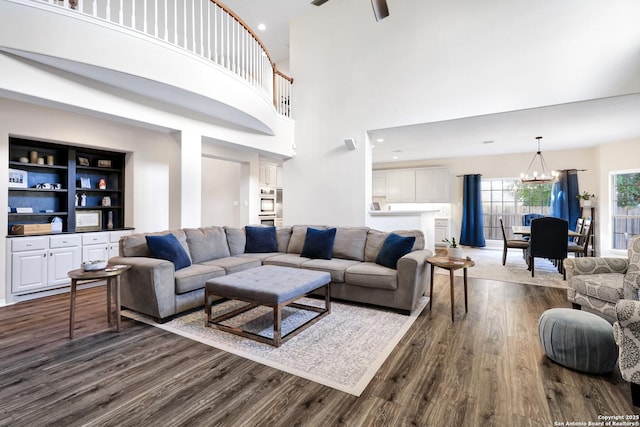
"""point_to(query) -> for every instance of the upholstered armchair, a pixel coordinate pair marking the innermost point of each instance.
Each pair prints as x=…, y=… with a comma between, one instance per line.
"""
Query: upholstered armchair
x=626, y=332
x=599, y=282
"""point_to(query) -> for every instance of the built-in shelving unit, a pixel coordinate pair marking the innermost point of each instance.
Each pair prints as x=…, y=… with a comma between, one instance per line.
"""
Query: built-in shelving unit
x=45, y=178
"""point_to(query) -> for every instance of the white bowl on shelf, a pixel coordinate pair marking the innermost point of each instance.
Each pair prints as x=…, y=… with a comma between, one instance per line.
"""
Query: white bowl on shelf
x=94, y=265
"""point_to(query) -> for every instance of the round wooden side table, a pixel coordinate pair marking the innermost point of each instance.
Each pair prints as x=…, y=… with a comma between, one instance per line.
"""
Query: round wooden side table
x=451, y=264
x=112, y=275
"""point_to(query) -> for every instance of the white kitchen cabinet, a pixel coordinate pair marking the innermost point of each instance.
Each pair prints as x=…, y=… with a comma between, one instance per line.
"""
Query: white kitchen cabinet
x=401, y=185
x=379, y=184
x=267, y=175
x=432, y=185
x=41, y=263
x=64, y=255
x=279, y=177
x=28, y=262
x=95, y=246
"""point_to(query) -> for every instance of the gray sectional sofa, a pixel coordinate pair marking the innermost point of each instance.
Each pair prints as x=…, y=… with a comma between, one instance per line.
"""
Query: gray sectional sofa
x=153, y=287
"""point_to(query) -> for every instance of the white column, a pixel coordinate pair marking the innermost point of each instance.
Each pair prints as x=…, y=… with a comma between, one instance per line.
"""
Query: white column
x=190, y=178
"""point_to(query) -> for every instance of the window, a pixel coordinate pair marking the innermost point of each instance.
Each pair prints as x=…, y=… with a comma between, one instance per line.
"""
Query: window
x=625, y=205
x=509, y=199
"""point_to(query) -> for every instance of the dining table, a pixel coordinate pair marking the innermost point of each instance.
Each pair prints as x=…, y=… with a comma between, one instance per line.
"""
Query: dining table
x=525, y=230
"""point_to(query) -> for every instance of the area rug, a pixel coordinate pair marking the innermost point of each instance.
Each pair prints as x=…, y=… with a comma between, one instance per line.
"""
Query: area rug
x=343, y=351
x=489, y=266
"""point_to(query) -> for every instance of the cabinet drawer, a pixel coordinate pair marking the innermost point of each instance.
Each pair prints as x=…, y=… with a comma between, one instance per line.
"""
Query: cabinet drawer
x=29, y=244
x=67, y=241
x=95, y=238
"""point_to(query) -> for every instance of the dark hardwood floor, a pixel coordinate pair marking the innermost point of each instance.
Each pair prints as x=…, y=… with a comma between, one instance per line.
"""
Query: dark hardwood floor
x=485, y=369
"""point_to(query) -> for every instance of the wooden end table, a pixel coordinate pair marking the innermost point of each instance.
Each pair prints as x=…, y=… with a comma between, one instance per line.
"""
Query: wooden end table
x=451, y=264
x=112, y=275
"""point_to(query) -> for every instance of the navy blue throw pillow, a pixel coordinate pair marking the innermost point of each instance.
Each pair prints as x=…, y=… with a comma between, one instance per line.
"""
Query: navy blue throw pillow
x=168, y=247
x=260, y=239
x=318, y=244
x=394, y=248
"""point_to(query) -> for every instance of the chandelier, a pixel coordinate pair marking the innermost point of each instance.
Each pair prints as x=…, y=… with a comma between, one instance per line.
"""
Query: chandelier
x=541, y=175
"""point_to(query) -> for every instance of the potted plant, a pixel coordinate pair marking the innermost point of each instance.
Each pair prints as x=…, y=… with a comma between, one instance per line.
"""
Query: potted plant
x=454, y=251
x=586, y=198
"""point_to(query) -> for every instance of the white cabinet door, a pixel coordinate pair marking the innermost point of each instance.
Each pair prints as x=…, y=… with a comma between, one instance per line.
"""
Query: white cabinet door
x=267, y=175
x=432, y=185
x=279, y=177
x=61, y=261
x=28, y=271
x=95, y=253
x=95, y=246
x=401, y=186
x=379, y=184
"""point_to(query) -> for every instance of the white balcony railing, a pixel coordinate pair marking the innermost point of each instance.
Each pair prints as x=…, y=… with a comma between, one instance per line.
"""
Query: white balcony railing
x=204, y=27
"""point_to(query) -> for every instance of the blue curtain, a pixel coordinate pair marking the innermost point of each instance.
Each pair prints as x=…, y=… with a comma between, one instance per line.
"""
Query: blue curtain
x=472, y=232
x=564, y=203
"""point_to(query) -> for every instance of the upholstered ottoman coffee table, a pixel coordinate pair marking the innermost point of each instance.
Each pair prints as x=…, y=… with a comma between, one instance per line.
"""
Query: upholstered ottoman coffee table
x=271, y=286
x=578, y=340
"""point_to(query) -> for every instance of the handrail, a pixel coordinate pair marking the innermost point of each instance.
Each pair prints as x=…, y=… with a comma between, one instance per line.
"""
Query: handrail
x=202, y=29
x=255, y=36
x=280, y=92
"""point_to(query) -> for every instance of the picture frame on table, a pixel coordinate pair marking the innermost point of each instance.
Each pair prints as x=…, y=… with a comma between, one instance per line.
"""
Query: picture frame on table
x=104, y=163
x=88, y=220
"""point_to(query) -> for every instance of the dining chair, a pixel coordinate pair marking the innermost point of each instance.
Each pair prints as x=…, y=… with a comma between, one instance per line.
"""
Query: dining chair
x=513, y=243
x=527, y=218
x=548, y=239
x=579, y=227
x=580, y=246
x=526, y=221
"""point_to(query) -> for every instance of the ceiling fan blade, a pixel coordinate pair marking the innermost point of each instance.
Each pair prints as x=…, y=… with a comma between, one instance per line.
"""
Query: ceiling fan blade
x=319, y=2
x=380, y=9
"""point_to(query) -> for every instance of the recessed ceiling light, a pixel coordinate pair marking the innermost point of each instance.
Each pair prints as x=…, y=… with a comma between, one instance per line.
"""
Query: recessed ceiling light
x=395, y=157
x=380, y=140
x=262, y=27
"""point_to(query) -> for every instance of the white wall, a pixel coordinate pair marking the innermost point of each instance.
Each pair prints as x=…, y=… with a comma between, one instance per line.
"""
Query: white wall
x=438, y=60
x=221, y=199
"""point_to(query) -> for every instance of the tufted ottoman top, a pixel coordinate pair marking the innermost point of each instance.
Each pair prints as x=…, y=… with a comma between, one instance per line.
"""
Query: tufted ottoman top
x=268, y=285
x=578, y=340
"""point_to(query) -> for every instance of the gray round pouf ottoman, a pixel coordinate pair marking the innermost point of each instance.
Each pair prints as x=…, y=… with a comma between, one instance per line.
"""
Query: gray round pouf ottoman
x=578, y=340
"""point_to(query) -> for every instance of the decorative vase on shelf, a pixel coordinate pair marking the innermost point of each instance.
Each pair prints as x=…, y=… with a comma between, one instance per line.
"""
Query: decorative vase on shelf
x=110, y=220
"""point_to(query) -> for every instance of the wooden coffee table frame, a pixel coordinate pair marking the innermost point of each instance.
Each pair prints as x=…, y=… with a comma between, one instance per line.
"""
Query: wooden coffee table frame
x=278, y=339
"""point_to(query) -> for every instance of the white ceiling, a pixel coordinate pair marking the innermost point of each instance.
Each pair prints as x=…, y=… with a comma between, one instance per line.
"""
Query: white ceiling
x=580, y=124
x=566, y=126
